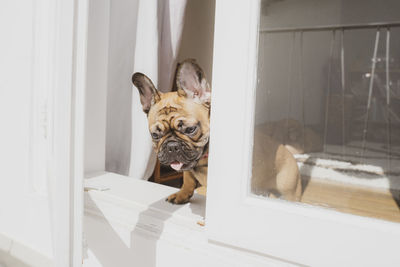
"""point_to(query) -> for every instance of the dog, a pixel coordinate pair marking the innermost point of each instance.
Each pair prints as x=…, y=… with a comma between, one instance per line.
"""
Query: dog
x=179, y=124
x=274, y=169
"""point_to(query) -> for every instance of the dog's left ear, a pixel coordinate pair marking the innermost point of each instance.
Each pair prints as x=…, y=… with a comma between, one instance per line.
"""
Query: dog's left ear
x=148, y=92
x=192, y=83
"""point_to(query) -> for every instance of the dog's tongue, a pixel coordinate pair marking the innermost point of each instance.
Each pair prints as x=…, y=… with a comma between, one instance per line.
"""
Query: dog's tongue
x=176, y=165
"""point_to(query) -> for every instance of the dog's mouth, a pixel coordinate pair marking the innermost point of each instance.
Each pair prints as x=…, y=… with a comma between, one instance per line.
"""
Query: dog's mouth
x=180, y=166
x=178, y=155
x=176, y=165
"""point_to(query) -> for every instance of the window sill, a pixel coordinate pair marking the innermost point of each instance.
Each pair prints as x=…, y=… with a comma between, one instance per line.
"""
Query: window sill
x=141, y=205
x=17, y=254
x=128, y=223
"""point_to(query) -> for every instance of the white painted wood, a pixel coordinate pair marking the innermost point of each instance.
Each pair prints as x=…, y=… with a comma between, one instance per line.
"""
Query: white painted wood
x=25, y=52
x=16, y=254
x=41, y=109
x=131, y=224
x=67, y=135
x=297, y=233
x=96, y=80
x=138, y=195
x=81, y=48
x=41, y=94
x=60, y=181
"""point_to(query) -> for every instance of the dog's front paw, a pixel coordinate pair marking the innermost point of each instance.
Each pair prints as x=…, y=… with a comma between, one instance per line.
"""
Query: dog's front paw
x=179, y=198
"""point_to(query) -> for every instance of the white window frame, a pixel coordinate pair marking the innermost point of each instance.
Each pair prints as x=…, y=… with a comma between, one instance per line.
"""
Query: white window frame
x=65, y=112
x=297, y=233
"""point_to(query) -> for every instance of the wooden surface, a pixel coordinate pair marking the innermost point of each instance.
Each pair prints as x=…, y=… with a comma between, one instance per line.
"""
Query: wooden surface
x=364, y=201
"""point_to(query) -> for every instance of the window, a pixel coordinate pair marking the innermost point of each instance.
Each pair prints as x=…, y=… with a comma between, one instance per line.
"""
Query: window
x=323, y=92
x=275, y=74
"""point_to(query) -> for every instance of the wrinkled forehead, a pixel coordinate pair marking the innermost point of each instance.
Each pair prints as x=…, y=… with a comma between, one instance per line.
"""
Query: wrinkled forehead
x=171, y=107
x=166, y=107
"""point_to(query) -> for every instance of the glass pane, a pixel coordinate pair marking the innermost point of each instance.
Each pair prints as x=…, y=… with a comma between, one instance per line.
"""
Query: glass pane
x=327, y=115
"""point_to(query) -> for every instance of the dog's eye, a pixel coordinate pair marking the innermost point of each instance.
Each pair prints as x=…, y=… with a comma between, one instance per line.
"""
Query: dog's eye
x=155, y=135
x=190, y=130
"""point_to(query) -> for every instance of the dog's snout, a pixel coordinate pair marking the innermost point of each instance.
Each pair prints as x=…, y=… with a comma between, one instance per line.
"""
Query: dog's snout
x=173, y=147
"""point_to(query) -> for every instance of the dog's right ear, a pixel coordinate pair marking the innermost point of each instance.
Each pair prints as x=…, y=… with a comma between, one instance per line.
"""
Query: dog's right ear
x=191, y=82
x=148, y=92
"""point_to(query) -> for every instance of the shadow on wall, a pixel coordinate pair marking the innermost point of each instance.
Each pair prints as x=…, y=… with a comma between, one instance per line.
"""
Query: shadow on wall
x=120, y=246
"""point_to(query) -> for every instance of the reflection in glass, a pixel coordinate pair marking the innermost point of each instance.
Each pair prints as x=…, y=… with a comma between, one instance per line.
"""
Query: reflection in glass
x=327, y=116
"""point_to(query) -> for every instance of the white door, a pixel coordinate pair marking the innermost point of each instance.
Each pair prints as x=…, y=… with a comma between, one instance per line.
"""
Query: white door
x=39, y=136
x=24, y=206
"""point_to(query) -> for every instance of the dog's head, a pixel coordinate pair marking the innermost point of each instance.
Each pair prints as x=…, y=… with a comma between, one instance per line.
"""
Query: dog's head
x=178, y=121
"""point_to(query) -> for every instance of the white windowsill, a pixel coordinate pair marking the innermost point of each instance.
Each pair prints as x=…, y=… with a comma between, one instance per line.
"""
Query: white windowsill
x=137, y=207
x=140, y=205
x=18, y=254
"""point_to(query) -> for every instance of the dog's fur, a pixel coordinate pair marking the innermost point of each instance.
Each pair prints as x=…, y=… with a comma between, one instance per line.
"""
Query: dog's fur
x=179, y=123
x=275, y=171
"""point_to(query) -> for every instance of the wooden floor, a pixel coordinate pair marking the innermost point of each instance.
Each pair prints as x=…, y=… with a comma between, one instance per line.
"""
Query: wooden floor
x=364, y=201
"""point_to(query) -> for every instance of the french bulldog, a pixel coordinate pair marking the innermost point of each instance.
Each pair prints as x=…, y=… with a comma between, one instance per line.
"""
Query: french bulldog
x=179, y=124
x=275, y=172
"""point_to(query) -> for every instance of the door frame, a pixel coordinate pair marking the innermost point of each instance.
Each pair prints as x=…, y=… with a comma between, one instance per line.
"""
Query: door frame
x=66, y=112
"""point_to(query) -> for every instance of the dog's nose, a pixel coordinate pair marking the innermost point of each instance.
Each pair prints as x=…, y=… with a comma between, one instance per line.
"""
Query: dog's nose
x=173, y=147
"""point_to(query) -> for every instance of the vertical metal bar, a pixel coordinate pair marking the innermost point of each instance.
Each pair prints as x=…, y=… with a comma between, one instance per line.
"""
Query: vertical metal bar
x=371, y=85
x=289, y=101
x=343, y=89
x=328, y=87
x=388, y=123
x=262, y=92
x=301, y=74
x=260, y=58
